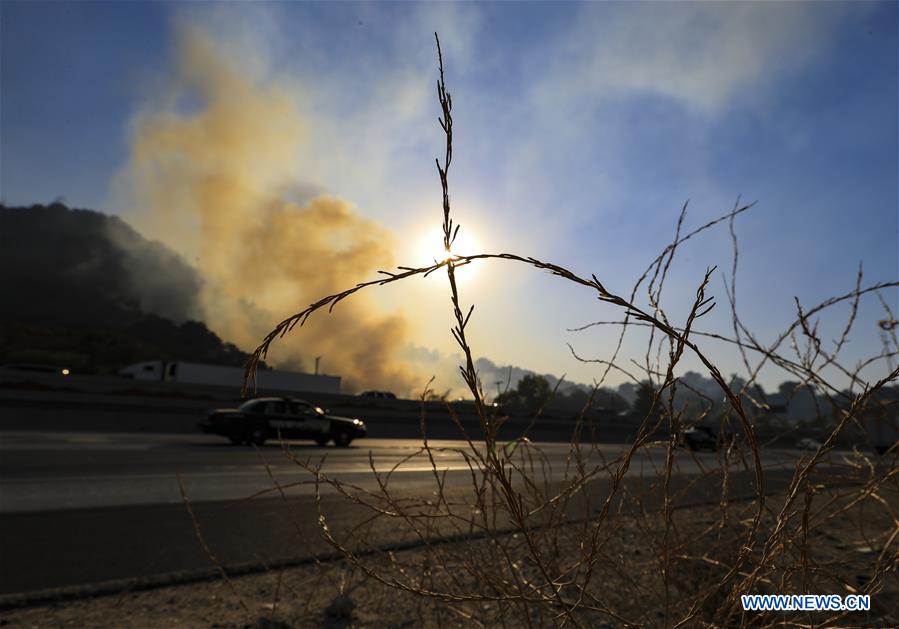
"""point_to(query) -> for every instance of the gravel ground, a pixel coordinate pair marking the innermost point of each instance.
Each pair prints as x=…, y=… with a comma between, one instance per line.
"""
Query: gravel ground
x=842, y=552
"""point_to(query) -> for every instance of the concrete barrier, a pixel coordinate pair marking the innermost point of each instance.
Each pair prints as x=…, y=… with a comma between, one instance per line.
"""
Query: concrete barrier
x=102, y=404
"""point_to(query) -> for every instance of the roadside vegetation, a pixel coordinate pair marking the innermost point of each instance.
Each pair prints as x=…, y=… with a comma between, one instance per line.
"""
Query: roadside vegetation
x=656, y=535
x=595, y=545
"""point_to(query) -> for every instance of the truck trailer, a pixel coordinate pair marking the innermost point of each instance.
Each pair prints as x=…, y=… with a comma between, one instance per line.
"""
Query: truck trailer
x=267, y=380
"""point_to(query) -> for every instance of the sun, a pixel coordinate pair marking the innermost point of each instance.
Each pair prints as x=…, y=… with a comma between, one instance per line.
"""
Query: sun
x=431, y=248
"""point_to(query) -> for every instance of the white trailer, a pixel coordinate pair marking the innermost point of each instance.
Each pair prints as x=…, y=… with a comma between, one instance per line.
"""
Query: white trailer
x=267, y=380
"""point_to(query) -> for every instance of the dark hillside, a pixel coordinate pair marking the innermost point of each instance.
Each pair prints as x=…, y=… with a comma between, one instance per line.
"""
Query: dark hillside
x=85, y=290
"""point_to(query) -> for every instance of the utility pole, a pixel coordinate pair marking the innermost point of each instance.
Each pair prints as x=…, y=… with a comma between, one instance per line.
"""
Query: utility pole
x=882, y=428
x=317, y=358
x=886, y=326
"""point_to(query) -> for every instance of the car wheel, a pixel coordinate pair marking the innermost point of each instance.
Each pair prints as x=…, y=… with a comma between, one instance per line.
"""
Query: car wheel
x=235, y=440
x=256, y=437
x=342, y=438
x=323, y=441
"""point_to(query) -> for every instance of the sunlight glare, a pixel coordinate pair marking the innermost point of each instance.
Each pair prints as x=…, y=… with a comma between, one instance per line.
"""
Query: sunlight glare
x=431, y=247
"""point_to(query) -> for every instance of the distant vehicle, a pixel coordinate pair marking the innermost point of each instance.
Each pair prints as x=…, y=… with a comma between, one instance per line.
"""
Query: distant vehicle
x=700, y=437
x=808, y=443
x=260, y=419
x=882, y=429
x=34, y=368
x=384, y=395
x=199, y=373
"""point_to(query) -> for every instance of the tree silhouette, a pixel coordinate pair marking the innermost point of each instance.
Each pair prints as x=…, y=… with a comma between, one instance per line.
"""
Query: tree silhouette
x=643, y=402
x=531, y=393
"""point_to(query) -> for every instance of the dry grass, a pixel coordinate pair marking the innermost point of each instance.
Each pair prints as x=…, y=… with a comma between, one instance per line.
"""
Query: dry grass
x=627, y=578
x=583, y=546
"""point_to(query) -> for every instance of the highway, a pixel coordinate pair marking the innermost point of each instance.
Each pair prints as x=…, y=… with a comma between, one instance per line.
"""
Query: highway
x=53, y=471
x=82, y=508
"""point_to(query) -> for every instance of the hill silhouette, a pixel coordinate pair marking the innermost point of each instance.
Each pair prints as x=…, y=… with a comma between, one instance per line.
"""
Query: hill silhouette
x=85, y=290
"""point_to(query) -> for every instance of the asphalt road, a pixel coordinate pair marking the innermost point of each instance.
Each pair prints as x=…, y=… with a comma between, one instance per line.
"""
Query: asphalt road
x=42, y=471
x=81, y=508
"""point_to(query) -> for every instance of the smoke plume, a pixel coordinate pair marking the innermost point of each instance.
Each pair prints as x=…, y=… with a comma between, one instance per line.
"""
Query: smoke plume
x=211, y=174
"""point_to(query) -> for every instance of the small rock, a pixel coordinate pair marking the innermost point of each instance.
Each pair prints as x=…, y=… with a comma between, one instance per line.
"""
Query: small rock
x=341, y=607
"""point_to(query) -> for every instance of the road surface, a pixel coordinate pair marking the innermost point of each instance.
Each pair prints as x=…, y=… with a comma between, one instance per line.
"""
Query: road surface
x=83, y=508
x=54, y=471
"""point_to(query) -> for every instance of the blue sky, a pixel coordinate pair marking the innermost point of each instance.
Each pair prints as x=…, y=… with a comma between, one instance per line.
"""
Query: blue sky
x=581, y=129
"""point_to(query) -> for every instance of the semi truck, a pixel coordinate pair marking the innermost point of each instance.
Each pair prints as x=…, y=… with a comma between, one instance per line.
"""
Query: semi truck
x=199, y=373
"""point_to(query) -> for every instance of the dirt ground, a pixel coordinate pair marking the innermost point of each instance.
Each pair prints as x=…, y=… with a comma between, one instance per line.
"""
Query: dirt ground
x=839, y=556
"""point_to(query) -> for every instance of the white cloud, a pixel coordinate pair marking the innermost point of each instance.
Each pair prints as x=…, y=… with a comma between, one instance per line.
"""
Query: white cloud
x=704, y=55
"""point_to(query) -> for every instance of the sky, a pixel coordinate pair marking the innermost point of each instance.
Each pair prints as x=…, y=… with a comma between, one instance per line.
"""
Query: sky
x=580, y=131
